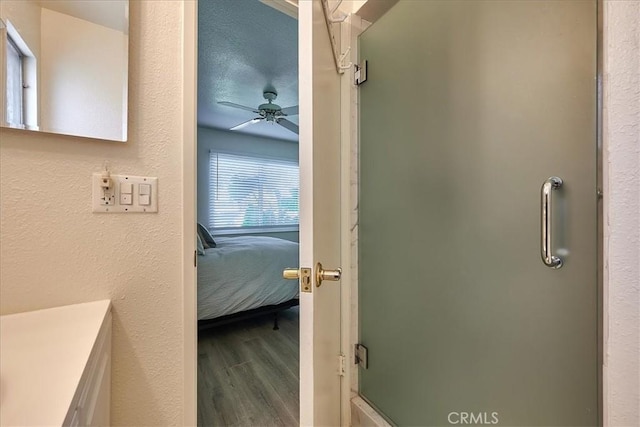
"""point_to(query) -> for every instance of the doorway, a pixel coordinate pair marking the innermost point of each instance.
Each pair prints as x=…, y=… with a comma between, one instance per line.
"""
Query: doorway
x=478, y=249
x=248, y=215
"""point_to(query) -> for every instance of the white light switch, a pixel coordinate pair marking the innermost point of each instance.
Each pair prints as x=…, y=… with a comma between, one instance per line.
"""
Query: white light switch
x=126, y=187
x=131, y=194
x=126, y=193
x=144, y=194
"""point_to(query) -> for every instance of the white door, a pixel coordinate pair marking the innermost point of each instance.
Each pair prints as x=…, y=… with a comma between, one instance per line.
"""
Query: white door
x=319, y=219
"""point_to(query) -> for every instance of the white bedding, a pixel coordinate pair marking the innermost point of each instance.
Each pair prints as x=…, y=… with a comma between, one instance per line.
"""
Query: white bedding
x=245, y=272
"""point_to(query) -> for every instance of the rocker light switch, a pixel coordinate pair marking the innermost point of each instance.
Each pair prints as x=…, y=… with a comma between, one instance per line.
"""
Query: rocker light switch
x=126, y=193
x=126, y=188
x=144, y=194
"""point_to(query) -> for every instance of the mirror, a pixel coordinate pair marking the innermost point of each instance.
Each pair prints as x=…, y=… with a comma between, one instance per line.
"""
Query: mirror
x=64, y=66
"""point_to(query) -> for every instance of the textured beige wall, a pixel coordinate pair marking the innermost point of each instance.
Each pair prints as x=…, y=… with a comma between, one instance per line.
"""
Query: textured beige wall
x=54, y=251
x=621, y=213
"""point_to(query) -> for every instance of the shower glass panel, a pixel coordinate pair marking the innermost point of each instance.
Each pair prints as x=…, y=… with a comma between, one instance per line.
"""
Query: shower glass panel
x=468, y=109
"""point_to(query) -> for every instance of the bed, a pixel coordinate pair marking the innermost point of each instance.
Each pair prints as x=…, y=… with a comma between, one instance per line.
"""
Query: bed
x=242, y=276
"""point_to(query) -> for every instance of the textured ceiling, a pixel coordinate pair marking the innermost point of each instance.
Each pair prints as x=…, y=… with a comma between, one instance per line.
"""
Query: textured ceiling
x=245, y=47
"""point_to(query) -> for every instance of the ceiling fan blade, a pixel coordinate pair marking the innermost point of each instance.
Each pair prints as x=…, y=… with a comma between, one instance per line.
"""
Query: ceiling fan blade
x=289, y=125
x=247, y=123
x=290, y=111
x=242, y=107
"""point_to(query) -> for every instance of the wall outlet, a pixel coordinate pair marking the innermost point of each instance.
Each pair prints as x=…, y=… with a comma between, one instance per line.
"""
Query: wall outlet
x=107, y=195
x=126, y=194
x=108, y=200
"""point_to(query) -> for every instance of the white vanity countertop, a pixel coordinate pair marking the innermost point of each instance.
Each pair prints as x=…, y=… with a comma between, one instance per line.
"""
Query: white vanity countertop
x=42, y=357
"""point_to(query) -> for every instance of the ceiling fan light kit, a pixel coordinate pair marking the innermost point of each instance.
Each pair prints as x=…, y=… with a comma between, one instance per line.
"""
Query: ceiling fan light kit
x=268, y=112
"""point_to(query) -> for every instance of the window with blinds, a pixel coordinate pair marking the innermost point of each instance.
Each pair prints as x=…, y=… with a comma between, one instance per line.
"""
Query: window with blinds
x=14, y=95
x=248, y=193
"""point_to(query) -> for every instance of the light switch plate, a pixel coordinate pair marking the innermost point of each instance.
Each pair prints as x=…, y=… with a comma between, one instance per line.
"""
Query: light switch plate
x=118, y=182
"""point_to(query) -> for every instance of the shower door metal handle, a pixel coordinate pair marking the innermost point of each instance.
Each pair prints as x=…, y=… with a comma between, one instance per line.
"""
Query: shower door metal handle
x=550, y=184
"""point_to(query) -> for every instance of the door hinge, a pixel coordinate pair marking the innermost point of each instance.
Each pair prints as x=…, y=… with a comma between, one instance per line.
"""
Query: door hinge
x=361, y=356
x=342, y=364
x=360, y=74
x=195, y=258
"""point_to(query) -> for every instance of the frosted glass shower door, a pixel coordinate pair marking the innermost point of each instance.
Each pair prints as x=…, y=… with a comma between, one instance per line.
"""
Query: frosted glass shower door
x=469, y=108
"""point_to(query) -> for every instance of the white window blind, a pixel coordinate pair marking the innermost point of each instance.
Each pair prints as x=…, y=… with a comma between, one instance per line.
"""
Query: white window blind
x=252, y=193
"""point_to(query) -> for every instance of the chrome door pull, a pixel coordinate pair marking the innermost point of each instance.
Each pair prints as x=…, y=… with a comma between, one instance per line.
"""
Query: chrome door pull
x=550, y=260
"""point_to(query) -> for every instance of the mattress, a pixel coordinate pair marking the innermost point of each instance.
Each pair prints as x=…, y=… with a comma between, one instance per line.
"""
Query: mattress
x=242, y=273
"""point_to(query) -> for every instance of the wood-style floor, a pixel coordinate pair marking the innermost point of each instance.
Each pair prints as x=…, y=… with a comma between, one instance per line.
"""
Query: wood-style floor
x=248, y=373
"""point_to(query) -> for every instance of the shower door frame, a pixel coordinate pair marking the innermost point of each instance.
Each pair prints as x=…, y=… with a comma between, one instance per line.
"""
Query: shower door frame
x=351, y=30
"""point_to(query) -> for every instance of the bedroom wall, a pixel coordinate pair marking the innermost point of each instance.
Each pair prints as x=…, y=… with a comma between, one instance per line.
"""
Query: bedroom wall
x=54, y=251
x=232, y=142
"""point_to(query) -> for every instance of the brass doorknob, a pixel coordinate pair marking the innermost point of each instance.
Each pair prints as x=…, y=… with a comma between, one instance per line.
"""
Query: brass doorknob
x=330, y=275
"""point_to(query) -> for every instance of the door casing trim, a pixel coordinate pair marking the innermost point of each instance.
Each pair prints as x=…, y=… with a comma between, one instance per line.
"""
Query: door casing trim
x=189, y=192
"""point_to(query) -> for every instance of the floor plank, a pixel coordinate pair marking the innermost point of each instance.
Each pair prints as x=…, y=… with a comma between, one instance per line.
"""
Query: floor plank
x=248, y=373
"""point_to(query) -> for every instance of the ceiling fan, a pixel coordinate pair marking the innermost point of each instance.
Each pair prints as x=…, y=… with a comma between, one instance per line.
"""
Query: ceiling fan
x=268, y=112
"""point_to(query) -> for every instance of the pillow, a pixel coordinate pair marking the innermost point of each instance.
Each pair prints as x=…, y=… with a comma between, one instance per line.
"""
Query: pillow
x=207, y=239
x=202, y=237
x=200, y=246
